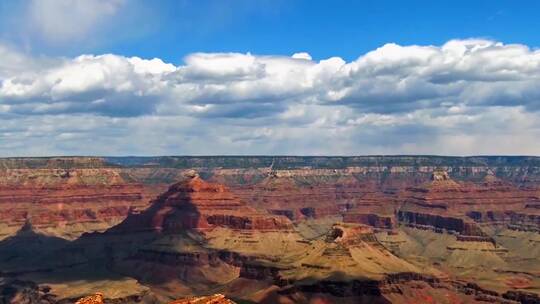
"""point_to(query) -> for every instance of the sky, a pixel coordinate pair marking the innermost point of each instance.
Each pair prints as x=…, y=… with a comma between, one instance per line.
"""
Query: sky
x=136, y=77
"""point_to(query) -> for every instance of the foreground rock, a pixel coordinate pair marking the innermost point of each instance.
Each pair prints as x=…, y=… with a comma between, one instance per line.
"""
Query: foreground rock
x=93, y=299
x=214, y=299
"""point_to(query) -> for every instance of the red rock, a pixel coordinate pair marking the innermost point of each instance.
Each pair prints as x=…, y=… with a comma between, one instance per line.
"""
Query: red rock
x=213, y=299
x=311, y=196
x=197, y=204
x=59, y=200
x=371, y=219
x=444, y=204
x=93, y=299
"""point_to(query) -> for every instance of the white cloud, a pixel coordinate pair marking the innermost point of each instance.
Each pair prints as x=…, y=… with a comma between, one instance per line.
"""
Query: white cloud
x=107, y=84
x=464, y=97
x=302, y=55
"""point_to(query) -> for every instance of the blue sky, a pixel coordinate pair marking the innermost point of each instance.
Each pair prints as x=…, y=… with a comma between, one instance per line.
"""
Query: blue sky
x=172, y=29
x=330, y=28
x=134, y=77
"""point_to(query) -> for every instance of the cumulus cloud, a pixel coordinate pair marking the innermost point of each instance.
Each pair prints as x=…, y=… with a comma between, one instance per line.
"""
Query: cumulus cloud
x=469, y=94
x=107, y=84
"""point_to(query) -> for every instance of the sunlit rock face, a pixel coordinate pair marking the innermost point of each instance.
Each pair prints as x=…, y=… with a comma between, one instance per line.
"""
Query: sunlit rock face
x=93, y=299
x=197, y=204
x=213, y=299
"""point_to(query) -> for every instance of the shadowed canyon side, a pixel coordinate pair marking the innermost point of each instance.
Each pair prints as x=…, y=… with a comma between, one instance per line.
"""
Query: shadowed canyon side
x=271, y=230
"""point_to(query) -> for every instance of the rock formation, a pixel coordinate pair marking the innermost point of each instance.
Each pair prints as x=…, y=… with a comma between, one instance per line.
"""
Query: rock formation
x=271, y=229
x=214, y=299
x=93, y=299
x=197, y=204
x=68, y=202
x=444, y=204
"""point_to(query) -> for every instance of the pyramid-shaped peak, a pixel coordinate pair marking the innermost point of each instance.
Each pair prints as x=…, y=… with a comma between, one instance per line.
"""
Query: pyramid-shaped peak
x=197, y=204
x=197, y=184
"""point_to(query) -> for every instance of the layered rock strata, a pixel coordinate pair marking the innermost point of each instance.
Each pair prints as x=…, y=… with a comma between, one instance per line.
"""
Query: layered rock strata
x=68, y=202
x=460, y=207
x=197, y=204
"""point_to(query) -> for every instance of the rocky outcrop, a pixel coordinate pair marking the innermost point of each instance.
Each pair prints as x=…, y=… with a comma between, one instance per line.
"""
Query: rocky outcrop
x=99, y=298
x=93, y=299
x=213, y=299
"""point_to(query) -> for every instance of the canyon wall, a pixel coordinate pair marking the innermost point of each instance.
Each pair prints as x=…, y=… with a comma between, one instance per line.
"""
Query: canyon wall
x=69, y=196
x=269, y=229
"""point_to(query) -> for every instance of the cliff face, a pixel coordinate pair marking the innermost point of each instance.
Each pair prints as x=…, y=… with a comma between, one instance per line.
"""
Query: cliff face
x=69, y=196
x=459, y=207
x=68, y=202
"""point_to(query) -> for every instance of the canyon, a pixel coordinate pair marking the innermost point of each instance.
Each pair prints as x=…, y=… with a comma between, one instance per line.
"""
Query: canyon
x=262, y=229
